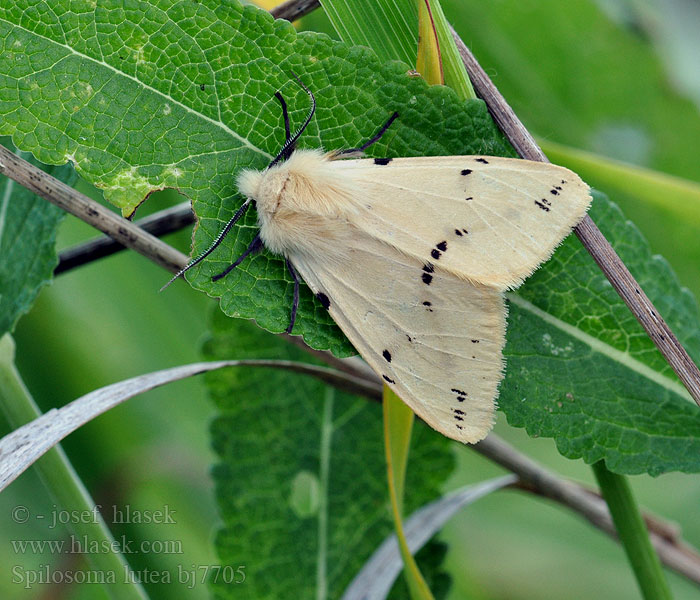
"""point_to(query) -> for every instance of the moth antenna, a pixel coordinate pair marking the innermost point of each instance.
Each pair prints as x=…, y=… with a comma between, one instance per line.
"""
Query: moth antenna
x=288, y=147
x=215, y=243
x=285, y=116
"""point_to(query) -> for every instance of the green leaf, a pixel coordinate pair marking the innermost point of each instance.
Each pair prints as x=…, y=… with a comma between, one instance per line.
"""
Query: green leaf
x=182, y=95
x=580, y=368
x=308, y=463
x=28, y=226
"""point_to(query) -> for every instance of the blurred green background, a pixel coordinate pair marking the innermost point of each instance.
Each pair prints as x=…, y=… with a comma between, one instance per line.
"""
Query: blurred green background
x=618, y=78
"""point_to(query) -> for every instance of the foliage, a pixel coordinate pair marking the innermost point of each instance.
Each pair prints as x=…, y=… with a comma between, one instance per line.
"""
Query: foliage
x=301, y=477
x=582, y=319
x=27, y=245
x=180, y=94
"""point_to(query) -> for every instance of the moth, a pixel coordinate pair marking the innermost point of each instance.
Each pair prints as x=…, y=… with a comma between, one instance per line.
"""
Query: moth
x=411, y=257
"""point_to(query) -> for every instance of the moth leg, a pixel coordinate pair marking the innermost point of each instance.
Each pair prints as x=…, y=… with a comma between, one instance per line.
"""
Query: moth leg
x=295, y=304
x=285, y=116
x=376, y=137
x=255, y=246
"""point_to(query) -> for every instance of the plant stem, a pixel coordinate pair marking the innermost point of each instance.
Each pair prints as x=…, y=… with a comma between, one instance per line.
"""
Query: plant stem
x=65, y=487
x=633, y=533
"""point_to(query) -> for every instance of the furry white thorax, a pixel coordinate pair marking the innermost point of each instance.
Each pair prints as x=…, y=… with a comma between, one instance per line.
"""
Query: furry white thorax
x=304, y=205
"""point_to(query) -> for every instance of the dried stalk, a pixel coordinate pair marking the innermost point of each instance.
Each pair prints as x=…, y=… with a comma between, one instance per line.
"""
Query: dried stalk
x=294, y=9
x=672, y=550
x=93, y=213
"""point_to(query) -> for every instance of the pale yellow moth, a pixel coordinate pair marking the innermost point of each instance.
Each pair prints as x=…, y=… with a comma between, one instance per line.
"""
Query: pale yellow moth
x=411, y=257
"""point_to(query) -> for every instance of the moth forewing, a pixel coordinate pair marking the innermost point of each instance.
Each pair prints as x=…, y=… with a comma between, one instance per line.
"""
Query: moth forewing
x=486, y=219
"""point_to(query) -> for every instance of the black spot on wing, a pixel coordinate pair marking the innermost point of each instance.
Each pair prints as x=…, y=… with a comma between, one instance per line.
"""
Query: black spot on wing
x=483, y=161
x=387, y=355
x=465, y=171
x=438, y=250
x=323, y=299
x=382, y=161
x=461, y=394
x=387, y=379
x=427, y=278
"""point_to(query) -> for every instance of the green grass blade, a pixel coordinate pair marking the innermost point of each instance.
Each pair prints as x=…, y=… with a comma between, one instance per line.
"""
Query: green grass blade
x=675, y=194
x=65, y=487
x=452, y=66
x=398, y=423
x=428, y=61
x=393, y=34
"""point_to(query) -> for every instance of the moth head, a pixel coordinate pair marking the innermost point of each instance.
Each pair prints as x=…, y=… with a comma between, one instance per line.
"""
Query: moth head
x=264, y=187
x=248, y=183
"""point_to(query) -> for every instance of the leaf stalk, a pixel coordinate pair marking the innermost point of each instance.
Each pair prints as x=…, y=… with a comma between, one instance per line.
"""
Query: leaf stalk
x=633, y=533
